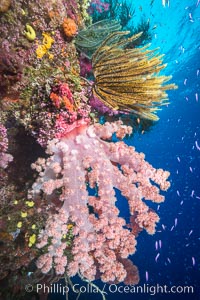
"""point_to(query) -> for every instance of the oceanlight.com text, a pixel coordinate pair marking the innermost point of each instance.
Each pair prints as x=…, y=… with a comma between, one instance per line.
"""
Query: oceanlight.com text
x=58, y=288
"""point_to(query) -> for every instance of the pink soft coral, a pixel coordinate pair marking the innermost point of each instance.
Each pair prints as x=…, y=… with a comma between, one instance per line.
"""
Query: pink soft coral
x=102, y=240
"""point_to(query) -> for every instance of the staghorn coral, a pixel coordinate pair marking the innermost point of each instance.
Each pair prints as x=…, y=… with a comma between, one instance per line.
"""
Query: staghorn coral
x=101, y=239
x=126, y=79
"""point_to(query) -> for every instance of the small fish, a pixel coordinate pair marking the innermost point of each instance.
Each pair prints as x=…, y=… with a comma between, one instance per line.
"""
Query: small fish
x=152, y=1
x=169, y=260
x=190, y=17
x=197, y=146
x=163, y=226
x=178, y=158
x=182, y=49
x=192, y=194
x=156, y=258
x=191, y=170
x=175, y=222
x=178, y=193
x=138, y=120
x=172, y=228
x=185, y=81
x=160, y=244
x=193, y=261
x=196, y=97
x=197, y=72
x=181, y=202
x=147, y=276
x=156, y=245
x=191, y=231
x=165, y=2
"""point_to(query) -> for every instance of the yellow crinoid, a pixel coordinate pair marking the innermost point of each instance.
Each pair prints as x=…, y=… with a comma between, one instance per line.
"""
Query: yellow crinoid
x=128, y=79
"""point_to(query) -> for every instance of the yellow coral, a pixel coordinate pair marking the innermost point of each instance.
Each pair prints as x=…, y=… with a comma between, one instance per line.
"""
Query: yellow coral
x=47, y=40
x=30, y=203
x=46, y=45
x=51, y=56
x=19, y=224
x=30, y=33
x=23, y=214
x=32, y=240
x=69, y=226
x=41, y=51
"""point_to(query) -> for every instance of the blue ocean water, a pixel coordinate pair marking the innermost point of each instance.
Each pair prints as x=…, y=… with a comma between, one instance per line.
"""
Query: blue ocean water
x=172, y=144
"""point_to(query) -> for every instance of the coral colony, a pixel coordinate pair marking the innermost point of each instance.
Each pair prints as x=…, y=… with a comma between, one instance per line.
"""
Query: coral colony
x=66, y=84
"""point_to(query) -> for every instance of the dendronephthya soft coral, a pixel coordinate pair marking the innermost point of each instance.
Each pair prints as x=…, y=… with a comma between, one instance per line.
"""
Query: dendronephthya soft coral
x=84, y=160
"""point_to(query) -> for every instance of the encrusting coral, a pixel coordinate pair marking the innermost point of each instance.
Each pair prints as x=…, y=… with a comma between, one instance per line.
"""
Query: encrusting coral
x=126, y=79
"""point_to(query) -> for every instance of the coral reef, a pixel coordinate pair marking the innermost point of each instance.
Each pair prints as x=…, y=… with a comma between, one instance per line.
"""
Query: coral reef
x=61, y=78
